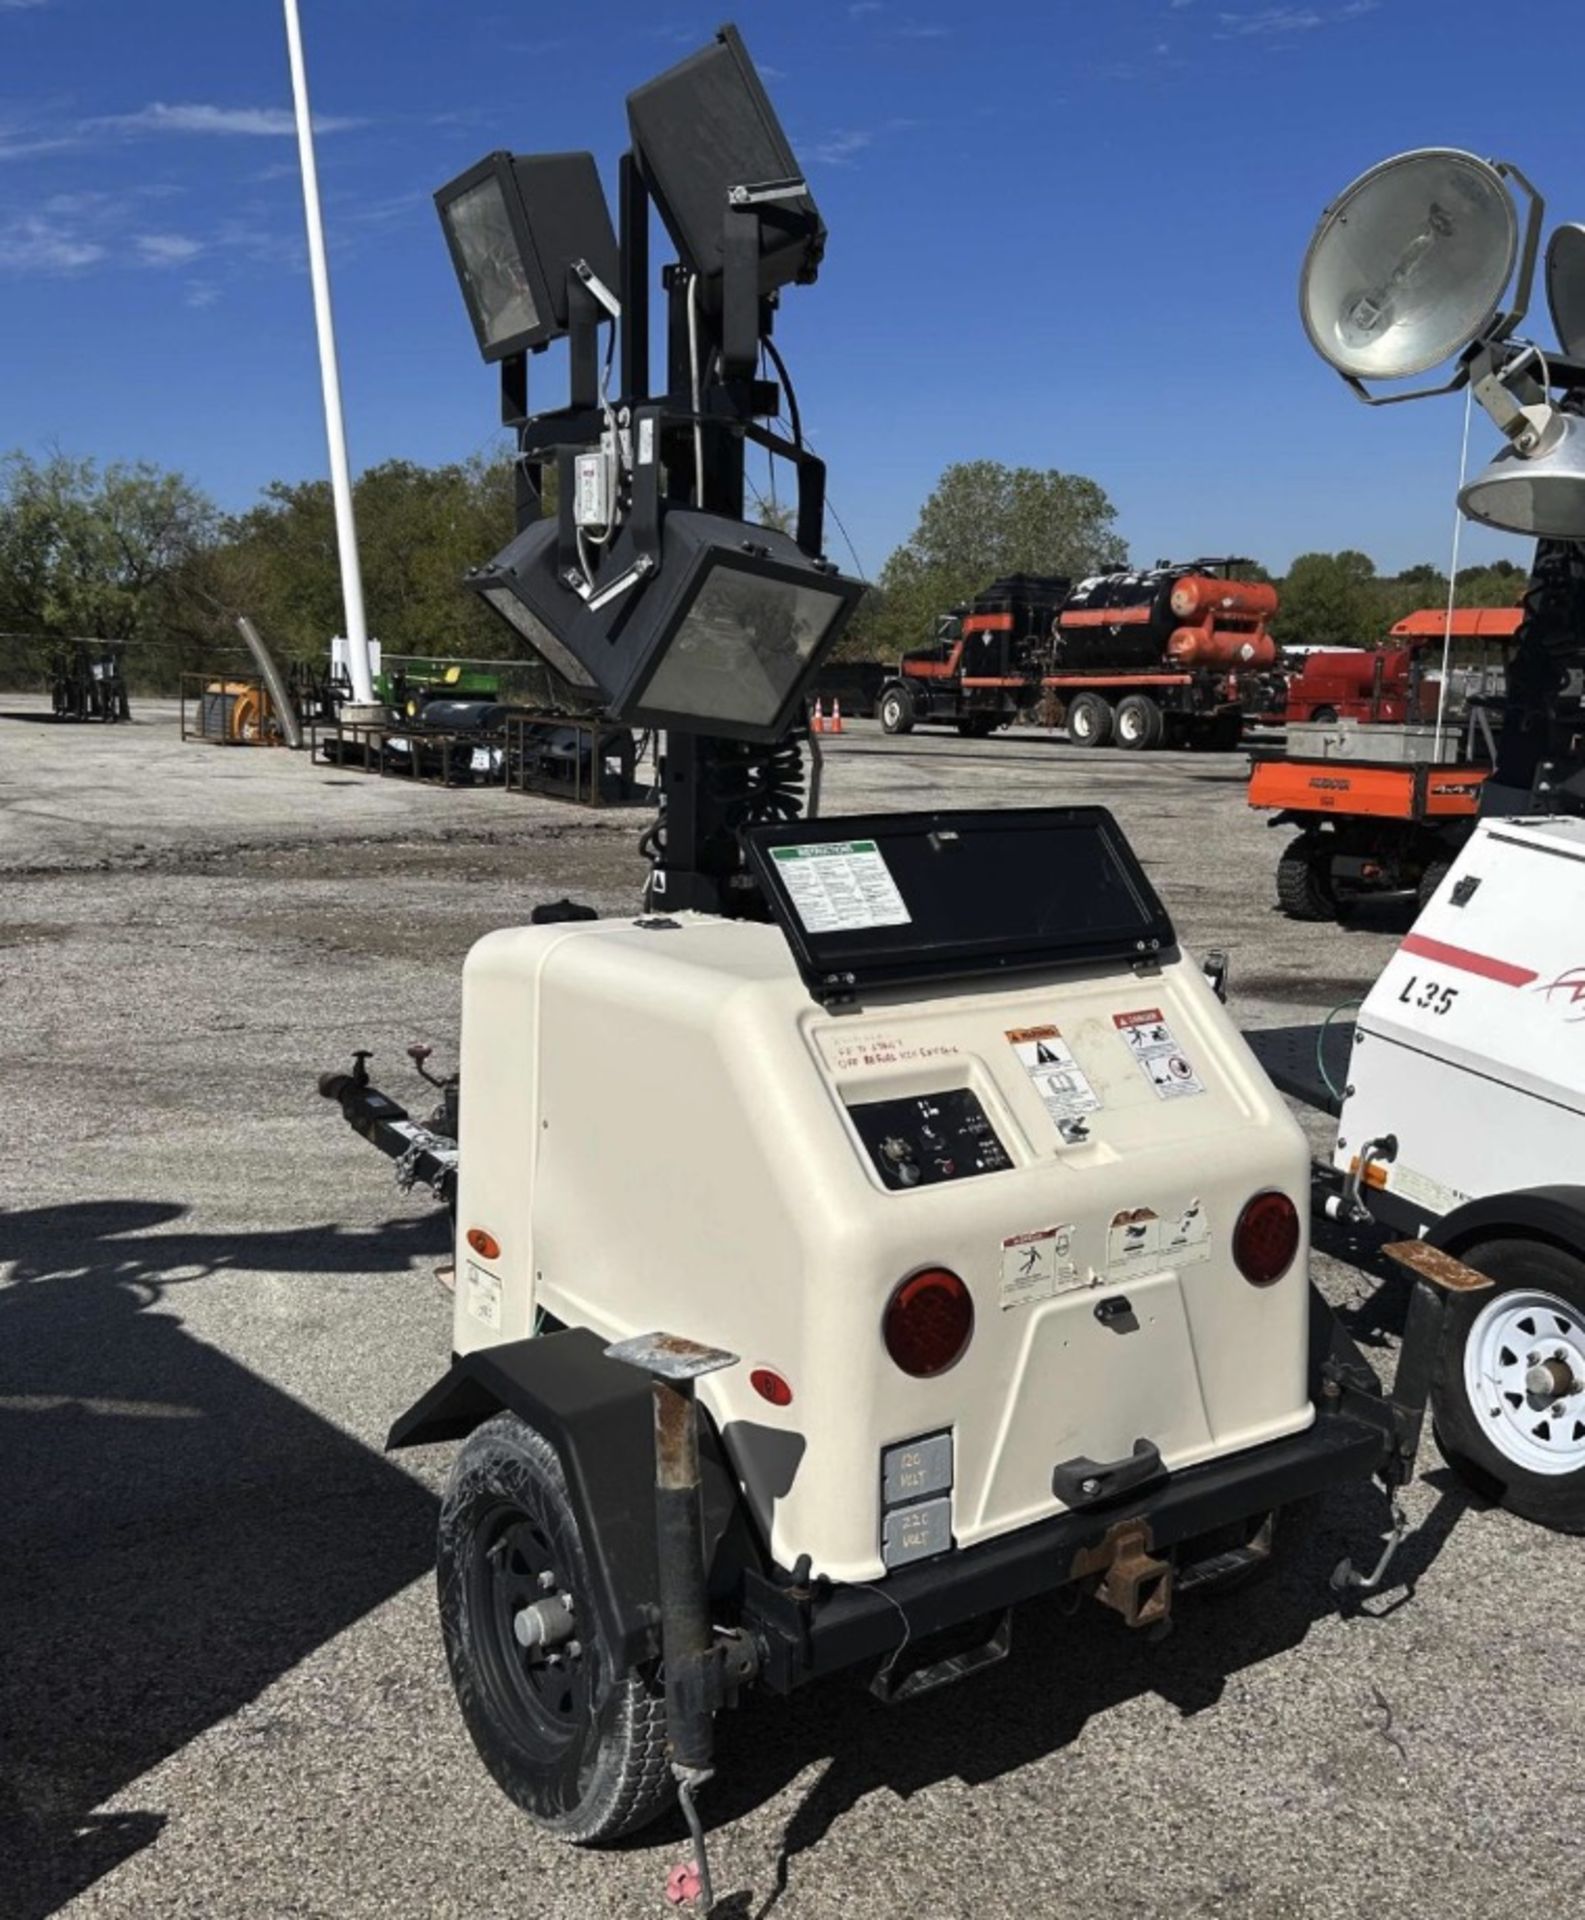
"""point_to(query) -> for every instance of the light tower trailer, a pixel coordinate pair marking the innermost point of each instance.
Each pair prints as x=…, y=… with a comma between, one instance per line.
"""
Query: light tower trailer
x=885, y=1225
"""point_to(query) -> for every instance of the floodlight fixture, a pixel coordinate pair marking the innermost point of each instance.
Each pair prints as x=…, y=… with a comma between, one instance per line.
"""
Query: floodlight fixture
x=719, y=631
x=1409, y=265
x=522, y=229
x=709, y=141
x=1565, y=287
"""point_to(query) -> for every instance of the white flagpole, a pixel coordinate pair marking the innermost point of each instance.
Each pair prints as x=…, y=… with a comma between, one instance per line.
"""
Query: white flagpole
x=330, y=378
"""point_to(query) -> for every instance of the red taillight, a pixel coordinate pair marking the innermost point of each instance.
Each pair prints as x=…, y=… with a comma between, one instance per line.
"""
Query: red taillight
x=1266, y=1238
x=929, y=1321
x=769, y=1385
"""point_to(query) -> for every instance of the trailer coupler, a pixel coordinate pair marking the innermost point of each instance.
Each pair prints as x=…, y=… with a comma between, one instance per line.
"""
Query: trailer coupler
x=423, y=1156
x=1438, y=1279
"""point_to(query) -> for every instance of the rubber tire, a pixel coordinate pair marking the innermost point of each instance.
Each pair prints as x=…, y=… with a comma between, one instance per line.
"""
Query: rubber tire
x=1556, y=1501
x=621, y=1775
x=1304, y=888
x=1139, y=711
x=1097, y=718
x=896, y=710
x=1324, y=716
x=1433, y=876
x=977, y=726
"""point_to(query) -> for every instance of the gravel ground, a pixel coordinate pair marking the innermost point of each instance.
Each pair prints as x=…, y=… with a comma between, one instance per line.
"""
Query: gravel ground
x=225, y=1693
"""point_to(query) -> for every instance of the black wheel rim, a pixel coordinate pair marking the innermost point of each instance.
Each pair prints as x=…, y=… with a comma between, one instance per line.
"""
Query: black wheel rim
x=541, y=1693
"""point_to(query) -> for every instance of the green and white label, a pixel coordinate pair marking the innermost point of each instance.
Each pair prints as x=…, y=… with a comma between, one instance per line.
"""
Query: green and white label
x=840, y=886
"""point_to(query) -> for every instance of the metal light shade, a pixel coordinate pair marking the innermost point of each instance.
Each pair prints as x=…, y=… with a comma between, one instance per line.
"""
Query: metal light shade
x=1565, y=287
x=1409, y=264
x=1542, y=497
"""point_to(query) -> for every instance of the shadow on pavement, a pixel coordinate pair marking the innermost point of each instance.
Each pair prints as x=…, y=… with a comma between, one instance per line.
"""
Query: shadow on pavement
x=178, y=1532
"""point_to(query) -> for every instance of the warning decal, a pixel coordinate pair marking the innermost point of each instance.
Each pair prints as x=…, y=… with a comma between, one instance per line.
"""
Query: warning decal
x=840, y=886
x=1058, y=1078
x=1037, y=1266
x=1140, y=1240
x=482, y=1292
x=1157, y=1053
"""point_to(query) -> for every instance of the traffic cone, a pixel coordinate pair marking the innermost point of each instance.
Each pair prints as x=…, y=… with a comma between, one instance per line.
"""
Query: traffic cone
x=836, y=716
x=817, y=722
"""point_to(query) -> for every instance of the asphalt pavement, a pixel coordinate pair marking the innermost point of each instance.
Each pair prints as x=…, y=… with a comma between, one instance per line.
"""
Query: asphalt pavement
x=223, y=1691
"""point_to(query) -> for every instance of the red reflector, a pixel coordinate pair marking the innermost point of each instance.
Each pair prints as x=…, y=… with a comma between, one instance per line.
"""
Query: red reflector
x=929, y=1321
x=1266, y=1238
x=769, y=1385
x=484, y=1244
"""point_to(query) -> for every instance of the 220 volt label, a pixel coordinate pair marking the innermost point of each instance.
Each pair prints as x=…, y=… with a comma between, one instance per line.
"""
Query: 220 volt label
x=1427, y=995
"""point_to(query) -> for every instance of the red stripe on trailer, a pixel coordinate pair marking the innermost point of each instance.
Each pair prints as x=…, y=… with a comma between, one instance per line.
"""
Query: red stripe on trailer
x=1503, y=971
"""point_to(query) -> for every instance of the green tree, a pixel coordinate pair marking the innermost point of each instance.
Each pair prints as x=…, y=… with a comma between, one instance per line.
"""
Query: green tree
x=1331, y=600
x=983, y=520
x=90, y=551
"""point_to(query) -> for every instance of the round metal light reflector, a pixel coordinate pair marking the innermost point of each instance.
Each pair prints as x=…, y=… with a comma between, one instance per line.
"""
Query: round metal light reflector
x=1409, y=264
x=1542, y=497
x=1565, y=287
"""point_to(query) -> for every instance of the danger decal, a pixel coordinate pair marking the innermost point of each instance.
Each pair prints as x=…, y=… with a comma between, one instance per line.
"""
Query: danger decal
x=1157, y=1054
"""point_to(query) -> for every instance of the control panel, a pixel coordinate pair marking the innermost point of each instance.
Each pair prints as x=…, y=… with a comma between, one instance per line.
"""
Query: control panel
x=928, y=1138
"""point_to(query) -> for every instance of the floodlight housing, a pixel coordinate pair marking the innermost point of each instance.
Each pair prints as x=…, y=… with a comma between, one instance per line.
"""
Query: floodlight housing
x=1539, y=495
x=515, y=225
x=1565, y=287
x=706, y=127
x=1409, y=264
x=720, y=637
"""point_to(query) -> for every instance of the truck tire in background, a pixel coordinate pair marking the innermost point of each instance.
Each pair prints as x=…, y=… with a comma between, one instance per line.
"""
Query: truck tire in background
x=1089, y=720
x=1514, y=1437
x=1140, y=723
x=1304, y=880
x=896, y=709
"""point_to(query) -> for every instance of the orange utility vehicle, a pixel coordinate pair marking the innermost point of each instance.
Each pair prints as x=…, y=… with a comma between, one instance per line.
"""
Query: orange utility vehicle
x=1383, y=798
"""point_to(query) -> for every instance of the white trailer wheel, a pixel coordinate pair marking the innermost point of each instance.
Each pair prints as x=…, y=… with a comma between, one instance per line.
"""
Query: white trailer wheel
x=1524, y=1375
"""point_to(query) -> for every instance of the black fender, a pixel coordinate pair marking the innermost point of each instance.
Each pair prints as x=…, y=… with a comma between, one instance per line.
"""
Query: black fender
x=1556, y=1214
x=598, y=1415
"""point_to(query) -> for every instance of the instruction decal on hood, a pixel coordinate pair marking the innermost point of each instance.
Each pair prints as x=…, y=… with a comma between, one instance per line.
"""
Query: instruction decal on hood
x=1062, y=1084
x=1157, y=1053
x=840, y=886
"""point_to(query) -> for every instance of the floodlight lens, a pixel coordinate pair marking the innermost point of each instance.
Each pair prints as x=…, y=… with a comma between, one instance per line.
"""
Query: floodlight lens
x=1409, y=264
x=497, y=284
x=742, y=647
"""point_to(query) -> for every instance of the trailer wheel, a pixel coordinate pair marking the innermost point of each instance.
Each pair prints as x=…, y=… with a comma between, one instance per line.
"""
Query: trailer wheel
x=897, y=710
x=1304, y=880
x=1089, y=720
x=1140, y=723
x=578, y=1744
x=1509, y=1393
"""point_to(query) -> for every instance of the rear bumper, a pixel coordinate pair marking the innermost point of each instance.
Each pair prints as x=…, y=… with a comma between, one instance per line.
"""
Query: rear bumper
x=805, y=1634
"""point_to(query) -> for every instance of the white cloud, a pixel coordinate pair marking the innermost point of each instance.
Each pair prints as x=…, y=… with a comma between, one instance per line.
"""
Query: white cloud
x=1272, y=20
x=20, y=6
x=198, y=117
x=167, y=249
x=201, y=293
x=837, y=149
x=36, y=245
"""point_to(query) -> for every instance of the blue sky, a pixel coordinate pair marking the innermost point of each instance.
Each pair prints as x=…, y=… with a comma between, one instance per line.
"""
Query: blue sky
x=1063, y=233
